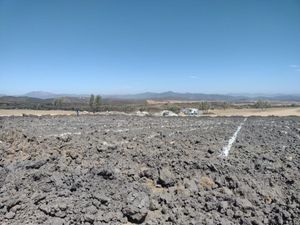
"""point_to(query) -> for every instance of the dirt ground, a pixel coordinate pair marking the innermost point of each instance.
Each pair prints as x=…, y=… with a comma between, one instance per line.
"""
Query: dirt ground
x=283, y=111
x=218, y=112
x=149, y=170
x=20, y=112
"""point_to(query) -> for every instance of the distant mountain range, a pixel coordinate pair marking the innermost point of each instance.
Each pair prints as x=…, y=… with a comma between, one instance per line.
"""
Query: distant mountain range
x=204, y=97
x=171, y=96
x=176, y=96
x=47, y=95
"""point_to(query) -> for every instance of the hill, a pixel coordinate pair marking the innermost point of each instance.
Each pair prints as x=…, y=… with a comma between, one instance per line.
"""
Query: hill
x=48, y=95
x=169, y=95
x=202, y=97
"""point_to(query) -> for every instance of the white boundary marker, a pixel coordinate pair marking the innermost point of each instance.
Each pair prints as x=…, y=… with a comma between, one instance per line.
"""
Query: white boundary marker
x=69, y=133
x=226, y=149
x=63, y=134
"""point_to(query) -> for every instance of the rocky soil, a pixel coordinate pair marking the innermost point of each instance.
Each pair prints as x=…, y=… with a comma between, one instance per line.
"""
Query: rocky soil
x=146, y=170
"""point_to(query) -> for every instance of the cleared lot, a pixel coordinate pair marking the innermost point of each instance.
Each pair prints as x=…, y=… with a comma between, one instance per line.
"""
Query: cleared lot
x=149, y=170
x=284, y=111
x=20, y=112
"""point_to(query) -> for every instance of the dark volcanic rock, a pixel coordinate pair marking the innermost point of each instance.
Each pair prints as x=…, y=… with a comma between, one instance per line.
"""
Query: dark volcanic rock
x=166, y=177
x=137, y=207
x=149, y=170
x=3, y=174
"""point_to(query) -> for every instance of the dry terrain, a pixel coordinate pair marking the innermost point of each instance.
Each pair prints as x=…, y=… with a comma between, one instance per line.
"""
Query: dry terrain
x=20, y=112
x=279, y=111
x=149, y=170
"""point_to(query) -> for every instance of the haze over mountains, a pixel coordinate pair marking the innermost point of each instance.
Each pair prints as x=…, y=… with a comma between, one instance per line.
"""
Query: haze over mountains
x=47, y=95
x=172, y=96
x=207, y=97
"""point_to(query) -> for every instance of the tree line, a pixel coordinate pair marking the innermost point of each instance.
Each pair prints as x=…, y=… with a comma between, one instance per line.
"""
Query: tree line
x=95, y=103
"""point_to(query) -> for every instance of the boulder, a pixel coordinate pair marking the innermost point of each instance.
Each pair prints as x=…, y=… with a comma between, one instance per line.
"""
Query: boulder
x=166, y=178
x=137, y=207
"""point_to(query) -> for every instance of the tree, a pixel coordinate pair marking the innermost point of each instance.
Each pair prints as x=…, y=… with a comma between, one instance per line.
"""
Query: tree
x=97, y=102
x=225, y=105
x=261, y=104
x=58, y=102
x=205, y=106
x=91, y=103
x=173, y=108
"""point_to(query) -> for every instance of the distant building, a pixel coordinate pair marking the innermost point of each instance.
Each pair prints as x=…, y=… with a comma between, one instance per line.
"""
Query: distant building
x=191, y=112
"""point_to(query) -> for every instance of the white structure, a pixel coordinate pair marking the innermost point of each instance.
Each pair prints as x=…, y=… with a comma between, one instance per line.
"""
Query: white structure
x=191, y=112
x=165, y=113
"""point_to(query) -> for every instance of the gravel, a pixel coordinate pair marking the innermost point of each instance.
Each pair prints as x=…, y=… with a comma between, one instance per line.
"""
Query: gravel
x=149, y=170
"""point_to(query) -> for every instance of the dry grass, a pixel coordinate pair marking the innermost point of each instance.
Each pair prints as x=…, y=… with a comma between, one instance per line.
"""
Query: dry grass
x=20, y=112
x=152, y=186
x=283, y=111
x=207, y=182
x=163, y=102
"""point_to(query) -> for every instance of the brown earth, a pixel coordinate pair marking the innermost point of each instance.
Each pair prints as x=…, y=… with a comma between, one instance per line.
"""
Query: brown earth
x=280, y=111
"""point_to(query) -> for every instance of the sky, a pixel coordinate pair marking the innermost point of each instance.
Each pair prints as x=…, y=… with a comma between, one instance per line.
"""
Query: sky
x=132, y=46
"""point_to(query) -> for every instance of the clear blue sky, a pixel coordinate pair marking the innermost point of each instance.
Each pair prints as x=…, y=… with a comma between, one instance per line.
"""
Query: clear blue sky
x=110, y=46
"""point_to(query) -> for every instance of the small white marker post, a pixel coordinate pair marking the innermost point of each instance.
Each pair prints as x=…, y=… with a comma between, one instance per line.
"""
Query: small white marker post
x=226, y=149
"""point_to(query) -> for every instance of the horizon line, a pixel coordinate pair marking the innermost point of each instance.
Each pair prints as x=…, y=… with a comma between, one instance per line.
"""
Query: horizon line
x=153, y=92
